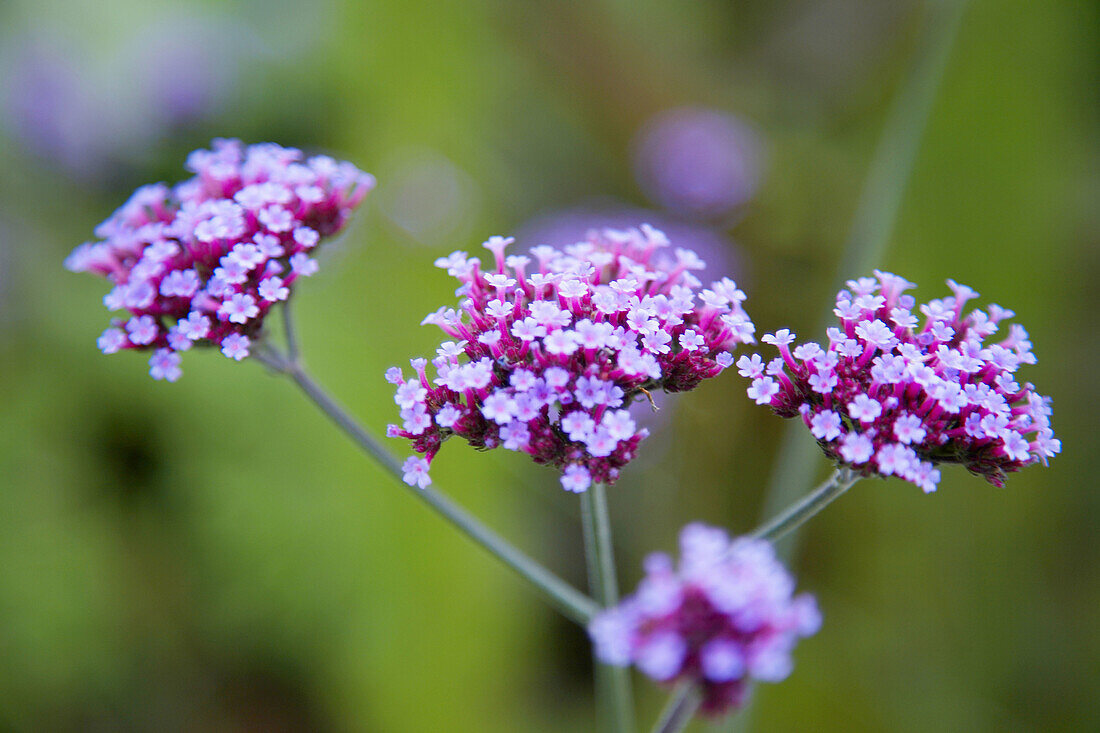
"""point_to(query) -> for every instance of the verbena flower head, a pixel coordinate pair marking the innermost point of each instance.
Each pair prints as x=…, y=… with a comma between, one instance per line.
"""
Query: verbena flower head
x=894, y=396
x=724, y=616
x=202, y=262
x=545, y=352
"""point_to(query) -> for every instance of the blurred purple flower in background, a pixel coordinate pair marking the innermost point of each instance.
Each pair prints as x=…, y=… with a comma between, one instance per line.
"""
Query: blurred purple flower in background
x=85, y=107
x=187, y=68
x=44, y=107
x=698, y=163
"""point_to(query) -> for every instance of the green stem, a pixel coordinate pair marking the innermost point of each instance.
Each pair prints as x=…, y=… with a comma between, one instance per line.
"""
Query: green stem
x=873, y=222
x=678, y=711
x=612, y=683
x=289, y=333
x=564, y=597
x=799, y=512
x=872, y=225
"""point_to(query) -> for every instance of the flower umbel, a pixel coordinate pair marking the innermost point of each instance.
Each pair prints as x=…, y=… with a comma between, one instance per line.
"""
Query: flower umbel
x=545, y=355
x=202, y=262
x=724, y=616
x=893, y=397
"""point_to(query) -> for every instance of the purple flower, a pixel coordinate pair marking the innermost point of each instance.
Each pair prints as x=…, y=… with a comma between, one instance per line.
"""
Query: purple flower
x=698, y=162
x=61, y=101
x=235, y=346
x=416, y=472
x=558, y=343
x=723, y=617
x=565, y=227
x=205, y=260
x=895, y=398
x=165, y=364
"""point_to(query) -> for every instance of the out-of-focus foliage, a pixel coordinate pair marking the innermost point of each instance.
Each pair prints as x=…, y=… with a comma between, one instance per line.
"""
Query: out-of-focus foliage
x=212, y=554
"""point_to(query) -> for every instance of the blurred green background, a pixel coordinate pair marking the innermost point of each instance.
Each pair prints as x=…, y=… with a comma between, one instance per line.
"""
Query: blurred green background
x=213, y=555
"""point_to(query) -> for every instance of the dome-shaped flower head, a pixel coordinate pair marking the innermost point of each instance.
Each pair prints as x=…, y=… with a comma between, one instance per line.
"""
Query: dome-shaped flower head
x=723, y=617
x=202, y=262
x=545, y=352
x=895, y=396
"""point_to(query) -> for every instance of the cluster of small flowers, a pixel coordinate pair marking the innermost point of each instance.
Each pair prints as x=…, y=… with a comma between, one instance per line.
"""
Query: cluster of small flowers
x=725, y=615
x=890, y=396
x=556, y=348
x=204, y=261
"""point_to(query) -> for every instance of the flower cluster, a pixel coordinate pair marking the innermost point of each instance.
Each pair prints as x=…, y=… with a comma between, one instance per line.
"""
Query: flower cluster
x=204, y=261
x=892, y=396
x=545, y=352
x=725, y=615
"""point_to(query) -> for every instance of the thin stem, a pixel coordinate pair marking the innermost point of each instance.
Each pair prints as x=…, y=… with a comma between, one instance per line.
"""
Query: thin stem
x=892, y=165
x=565, y=598
x=873, y=222
x=604, y=581
x=344, y=421
x=289, y=333
x=269, y=357
x=678, y=711
x=872, y=225
x=798, y=513
x=612, y=683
